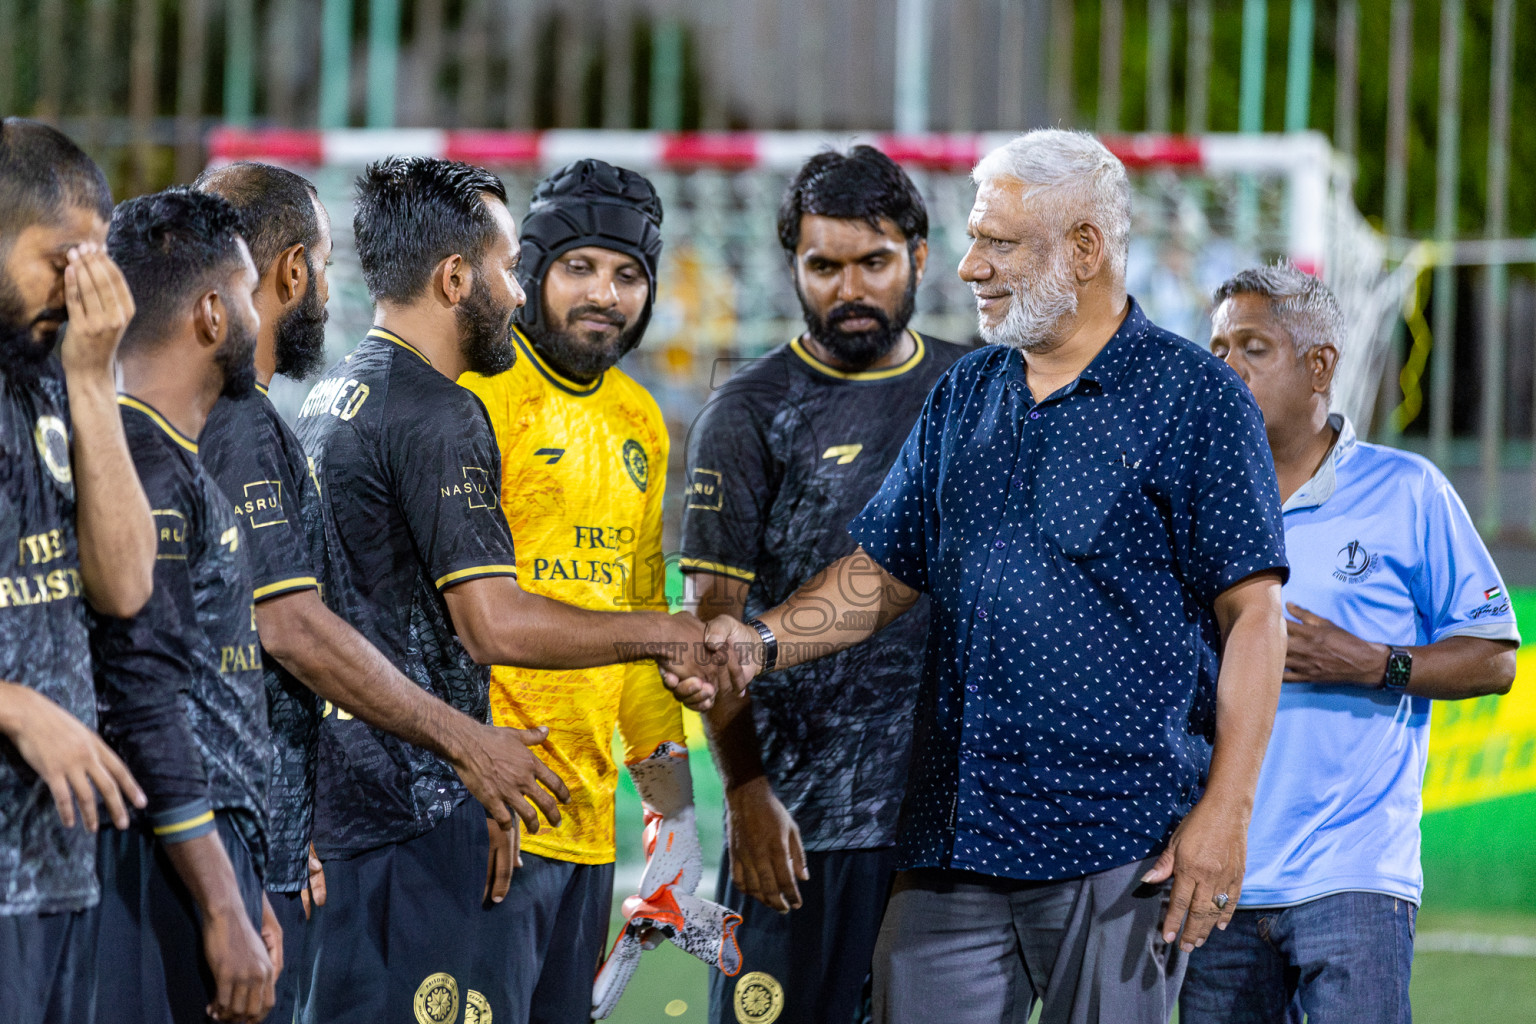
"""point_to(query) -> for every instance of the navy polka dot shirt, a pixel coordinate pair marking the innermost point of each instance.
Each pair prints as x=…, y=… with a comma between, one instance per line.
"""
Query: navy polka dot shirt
x=1072, y=548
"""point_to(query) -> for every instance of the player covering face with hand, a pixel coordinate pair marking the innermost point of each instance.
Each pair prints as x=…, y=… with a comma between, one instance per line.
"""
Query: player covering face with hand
x=74, y=517
x=583, y=460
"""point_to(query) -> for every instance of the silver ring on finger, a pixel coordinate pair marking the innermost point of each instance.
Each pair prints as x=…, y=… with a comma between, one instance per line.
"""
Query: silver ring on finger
x=1221, y=900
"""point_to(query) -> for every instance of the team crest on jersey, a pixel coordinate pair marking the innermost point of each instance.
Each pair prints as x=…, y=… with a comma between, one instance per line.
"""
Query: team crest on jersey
x=437, y=999
x=1354, y=564
x=53, y=446
x=759, y=998
x=637, y=464
x=476, y=1009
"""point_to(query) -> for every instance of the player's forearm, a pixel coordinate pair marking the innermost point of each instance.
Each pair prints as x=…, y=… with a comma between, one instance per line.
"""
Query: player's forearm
x=733, y=739
x=1247, y=689
x=514, y=627
x=204, y=867
x=843, y=605
x=115, y=529
x=335, y=661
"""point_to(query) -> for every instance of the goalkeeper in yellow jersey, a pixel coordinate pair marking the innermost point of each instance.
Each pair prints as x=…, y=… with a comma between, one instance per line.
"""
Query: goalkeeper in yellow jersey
x=584, y=461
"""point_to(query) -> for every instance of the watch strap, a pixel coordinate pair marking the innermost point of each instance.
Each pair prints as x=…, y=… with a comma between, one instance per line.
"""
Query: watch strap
x=770, y=644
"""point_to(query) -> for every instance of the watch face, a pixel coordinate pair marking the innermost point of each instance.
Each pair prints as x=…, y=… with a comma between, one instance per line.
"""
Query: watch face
x=1399, y=667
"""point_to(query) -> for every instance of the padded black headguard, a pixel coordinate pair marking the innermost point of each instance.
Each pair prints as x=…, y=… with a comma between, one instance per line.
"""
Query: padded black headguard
x=589, y=202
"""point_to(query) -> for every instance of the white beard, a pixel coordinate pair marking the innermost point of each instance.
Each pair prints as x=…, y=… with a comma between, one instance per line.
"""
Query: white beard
x=1034, y=311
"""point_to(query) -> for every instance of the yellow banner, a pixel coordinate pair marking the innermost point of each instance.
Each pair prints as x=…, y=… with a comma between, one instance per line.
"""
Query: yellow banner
x=1485, y=748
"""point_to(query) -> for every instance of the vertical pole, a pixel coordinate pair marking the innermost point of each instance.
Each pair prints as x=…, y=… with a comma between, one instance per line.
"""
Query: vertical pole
x=428, y=34
x=618, y=66
x=1197, y=84
x=1298, y=67
x=143, y=48
x=1447, y=169
x=1496, y=283
x=1395, y=200
x=1062, y=112
x=1346, y=95
x=474, y=66
x=9, y=90
x=98, y=55
x=335, y=63
x=239, y=71
x=1250, y=96
x=192, y=39
x=50, y=61
x=1158, y=44
x=667, y=73
x=1111, y=42
x=1250, y=118
x=383, y=59
x=911, y=66
x=811, y=73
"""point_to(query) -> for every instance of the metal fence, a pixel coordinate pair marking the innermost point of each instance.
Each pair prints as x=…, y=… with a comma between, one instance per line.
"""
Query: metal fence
x=1418, y=93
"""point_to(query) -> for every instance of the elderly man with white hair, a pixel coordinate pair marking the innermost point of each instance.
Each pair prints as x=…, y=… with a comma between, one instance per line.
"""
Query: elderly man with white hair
x=1090, y=503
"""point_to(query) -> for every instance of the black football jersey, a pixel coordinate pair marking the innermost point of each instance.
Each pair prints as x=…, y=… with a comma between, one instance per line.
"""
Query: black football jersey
x=782, y=458
x=179, y=685
x=411, y=479
x=261, y=467
x=44, y=867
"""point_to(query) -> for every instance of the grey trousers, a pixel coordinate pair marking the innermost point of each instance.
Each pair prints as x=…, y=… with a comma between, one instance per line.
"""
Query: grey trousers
x=968, y=949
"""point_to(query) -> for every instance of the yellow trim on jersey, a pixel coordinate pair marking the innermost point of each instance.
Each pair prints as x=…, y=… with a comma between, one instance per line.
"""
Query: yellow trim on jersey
x=565, y=384
x=379, y=332
x=159, y=420
x=799, y=349
x=479, y=570
x=261, y=387
x=718, y=568
x=182, y=826
x=297, y=583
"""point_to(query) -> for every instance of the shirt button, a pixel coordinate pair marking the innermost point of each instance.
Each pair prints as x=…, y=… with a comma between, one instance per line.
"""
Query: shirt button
x=981, y=613
x=971, y=688
x=999, y=544
x=1035, y=415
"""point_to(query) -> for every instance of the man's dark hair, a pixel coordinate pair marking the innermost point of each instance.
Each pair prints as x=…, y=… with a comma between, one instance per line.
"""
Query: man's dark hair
x=276, y=206
x=170, y=245
x=43, y=174
x=413, y=212
x=862, y=184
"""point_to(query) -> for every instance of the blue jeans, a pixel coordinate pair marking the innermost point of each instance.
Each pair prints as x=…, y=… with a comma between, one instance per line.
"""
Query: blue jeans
x=1343, y=958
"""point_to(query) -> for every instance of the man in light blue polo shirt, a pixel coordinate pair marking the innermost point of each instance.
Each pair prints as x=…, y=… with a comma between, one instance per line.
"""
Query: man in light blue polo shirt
x=1393, y=602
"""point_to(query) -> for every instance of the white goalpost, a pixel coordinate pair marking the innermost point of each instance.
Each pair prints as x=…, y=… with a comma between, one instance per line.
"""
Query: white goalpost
x=1203, y=208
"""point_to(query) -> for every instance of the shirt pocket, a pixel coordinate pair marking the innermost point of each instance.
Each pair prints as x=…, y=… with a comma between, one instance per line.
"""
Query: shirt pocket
x=1076, y=500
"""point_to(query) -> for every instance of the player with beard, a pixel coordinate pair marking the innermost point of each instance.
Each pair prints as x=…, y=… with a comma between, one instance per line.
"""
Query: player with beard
x=783, y=457
x=180, y=684
x=420, y=561
x=75, y=515
x=583, y=460
x=311, y=653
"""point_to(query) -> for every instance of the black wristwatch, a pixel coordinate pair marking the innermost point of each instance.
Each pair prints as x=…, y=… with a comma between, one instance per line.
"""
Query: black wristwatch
x=1399, y=668
x=770, y=645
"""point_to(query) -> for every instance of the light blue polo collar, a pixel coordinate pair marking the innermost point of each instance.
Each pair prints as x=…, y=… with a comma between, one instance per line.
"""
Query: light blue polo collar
x=1326, y=480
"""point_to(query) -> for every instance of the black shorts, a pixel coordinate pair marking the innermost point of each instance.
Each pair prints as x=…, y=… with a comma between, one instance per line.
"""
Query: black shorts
x=812, y=964
x=47, y=967
x=288, y=908
x=149, y=962
x=406, y=936
x=562, y=913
